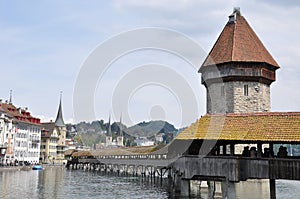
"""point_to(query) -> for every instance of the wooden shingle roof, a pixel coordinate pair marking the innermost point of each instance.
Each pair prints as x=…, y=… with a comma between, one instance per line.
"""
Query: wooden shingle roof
x=269, y=127
x=238, y=43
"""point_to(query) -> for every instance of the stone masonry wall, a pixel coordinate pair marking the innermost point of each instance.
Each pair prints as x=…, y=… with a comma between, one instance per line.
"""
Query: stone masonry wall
x=234, y=100
x=258, y=99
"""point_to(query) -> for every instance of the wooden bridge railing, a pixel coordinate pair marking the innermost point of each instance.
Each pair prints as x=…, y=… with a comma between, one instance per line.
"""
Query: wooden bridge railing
x=234, y=168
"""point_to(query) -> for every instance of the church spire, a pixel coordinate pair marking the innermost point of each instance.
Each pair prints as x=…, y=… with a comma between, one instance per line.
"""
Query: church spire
x=109, y=127
x=59, y=118
x=120, y=127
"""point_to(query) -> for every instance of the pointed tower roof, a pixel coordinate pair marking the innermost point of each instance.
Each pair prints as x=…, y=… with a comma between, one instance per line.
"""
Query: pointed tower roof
x=109, y=127
x=59, y=118
x=120, y=127
x=238, y=43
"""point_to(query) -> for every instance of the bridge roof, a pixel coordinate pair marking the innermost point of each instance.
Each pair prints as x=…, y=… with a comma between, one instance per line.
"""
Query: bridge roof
x=119, y=151
x=269, y=127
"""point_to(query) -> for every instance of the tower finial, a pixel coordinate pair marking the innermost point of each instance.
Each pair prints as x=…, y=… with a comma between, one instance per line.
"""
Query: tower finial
x=232, y=17
x=10, y=96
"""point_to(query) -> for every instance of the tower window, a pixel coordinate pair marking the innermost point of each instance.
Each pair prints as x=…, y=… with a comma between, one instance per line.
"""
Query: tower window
x=222, y=91
x=246, y=90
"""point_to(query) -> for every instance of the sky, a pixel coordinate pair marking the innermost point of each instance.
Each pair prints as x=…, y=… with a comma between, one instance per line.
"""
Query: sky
x=45, y=45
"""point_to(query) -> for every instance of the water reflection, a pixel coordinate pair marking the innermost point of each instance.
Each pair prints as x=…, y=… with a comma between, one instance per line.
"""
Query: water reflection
x=61, y=183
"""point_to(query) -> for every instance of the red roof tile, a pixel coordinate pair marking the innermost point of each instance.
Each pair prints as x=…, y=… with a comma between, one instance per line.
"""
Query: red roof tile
x=18, y=116
x=238, y=43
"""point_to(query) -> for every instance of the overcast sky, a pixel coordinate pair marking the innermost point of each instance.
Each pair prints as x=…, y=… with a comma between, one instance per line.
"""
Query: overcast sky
x=44, y=44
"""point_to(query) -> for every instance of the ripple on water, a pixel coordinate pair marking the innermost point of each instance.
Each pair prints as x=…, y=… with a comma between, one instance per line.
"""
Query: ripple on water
x=60, y=183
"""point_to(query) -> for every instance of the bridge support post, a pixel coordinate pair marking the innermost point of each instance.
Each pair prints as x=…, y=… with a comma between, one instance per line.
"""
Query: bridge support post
x=224, y=149
x=259, y=149
x=272, y=189
x=185, y=188
x=232, y=149
x=228, y=189
x=177, y=184
x=211, y=189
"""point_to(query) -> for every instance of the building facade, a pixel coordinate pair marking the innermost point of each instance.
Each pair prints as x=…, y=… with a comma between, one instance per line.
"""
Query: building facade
x=49, y=138
x=20, y=134
x=6, y=138
x=54, y=139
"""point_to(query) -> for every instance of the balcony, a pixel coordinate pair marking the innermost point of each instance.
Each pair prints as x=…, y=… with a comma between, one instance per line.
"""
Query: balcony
x=60, y=149
x=35, y=140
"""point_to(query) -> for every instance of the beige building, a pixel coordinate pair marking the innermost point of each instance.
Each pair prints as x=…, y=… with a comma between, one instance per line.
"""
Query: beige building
x=49, y=142
x=54, y=139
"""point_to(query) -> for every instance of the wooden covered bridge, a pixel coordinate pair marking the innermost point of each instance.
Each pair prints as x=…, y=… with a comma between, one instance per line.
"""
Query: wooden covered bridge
x=237, y=75
x=210, y=150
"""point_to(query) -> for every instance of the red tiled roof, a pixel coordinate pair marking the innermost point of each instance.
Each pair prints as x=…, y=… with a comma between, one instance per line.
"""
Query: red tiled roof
x=238, y=43
x=269, y=127
x=18, y=116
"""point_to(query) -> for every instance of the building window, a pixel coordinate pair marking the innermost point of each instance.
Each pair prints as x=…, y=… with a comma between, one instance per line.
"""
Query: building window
x=246, y=90
x=222, y=91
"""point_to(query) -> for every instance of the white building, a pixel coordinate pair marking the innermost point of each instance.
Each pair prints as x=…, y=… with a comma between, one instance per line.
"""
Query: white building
x=144, y=141
x=6, y=138
x=23, y=134
x=159, y=138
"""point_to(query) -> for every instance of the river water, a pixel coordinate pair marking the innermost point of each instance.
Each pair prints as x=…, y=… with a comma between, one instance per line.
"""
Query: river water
x=61, y=183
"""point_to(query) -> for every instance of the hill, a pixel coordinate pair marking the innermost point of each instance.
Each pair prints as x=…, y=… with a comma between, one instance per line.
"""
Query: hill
x=93, y=133
x=148, y=129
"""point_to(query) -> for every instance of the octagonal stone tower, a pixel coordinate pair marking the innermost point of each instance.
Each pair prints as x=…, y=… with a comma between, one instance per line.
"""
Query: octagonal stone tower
x=238, y=71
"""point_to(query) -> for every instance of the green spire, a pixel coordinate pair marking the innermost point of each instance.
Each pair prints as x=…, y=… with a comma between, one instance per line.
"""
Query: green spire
x=59, y=118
